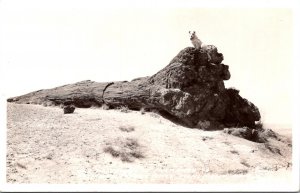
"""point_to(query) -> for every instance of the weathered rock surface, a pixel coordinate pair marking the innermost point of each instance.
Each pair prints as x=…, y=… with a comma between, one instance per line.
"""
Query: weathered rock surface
x=69, y=109
x=189, y=89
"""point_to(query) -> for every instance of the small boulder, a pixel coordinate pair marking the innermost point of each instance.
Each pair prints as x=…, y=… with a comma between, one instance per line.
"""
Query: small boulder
x=69, y=109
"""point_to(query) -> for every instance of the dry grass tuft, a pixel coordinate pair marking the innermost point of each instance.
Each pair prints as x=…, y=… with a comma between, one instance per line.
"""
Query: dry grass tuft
x=154, y=113
x=244, y=162
x=112, y=151
x=126, y=149
x=127, y=128
x=123, y=109
x=143, y=110
x=272, y=149
x=105, y=107
x=21, y=166
x=237, y=171
x=234, y=152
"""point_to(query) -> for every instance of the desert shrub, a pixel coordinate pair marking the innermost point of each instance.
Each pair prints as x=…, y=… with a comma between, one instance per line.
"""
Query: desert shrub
x=234, y=152
x=272, y=149
x=267, y=133
x=255, y=135
x=123, y=109
x=112, y=151
x=155, y=113
x=48, y=104
x=126, y=149
x=237, y=171
x=204, y=125
x=105, y=106
x=21, y=166
x=206, y=138
x=245, y=163
x=126, y=128
x=243, y=132
x=143, y=110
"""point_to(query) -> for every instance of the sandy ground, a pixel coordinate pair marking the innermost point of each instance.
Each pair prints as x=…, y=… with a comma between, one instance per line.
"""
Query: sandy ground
x=109, y=146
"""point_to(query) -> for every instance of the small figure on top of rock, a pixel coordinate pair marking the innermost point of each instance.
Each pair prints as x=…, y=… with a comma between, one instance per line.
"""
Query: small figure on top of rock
x=198, y=44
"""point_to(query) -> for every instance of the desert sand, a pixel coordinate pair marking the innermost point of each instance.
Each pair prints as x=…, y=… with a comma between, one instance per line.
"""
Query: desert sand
x=112, y=146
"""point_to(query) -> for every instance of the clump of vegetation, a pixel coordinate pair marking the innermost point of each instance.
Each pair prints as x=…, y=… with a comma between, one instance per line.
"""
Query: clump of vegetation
x=244, y=162
x=206, y=138
x=143, y=110
x=112, y=151
x=126, y=149
x=234, y=152
x=21, y=166
x=257, y=133
x=272, y=149
x=48, y=104
x=237, y=171
x=204, y=125
x=105, y=106
x=155, y=113
x=244, y=132
x=123, y=109
x=126, y=128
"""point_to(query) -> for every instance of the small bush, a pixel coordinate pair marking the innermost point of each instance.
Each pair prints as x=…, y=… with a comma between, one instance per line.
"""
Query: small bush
x=272, y=149
x=204, y=125
x=143, y=110
x=126, y=149
x=154, y=113
x=112, y=151
x=21, y=166
x=206, y=138
x=126, y=128
x=237, y=171
x=105, y=107
x=234, y=152
x=244, y=132
x=245, y=163
x=123, y=109
x=48, y=104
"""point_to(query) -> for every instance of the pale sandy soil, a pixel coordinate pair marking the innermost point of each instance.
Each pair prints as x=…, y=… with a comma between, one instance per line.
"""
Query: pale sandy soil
x=46, y=146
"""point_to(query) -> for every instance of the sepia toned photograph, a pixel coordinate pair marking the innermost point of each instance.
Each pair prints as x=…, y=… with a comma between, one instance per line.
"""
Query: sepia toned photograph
x=149, y=95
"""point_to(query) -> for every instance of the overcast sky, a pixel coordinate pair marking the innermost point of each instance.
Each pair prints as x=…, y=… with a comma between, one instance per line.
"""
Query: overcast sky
x=45, y=44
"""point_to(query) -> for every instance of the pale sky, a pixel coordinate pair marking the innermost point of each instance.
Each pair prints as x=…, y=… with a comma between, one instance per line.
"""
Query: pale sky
x=45, y=44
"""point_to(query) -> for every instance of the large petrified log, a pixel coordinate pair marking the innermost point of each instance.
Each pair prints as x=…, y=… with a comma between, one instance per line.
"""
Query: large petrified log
x=190, y=88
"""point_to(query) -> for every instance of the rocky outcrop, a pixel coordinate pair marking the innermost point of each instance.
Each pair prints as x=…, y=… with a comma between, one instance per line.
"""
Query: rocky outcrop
x=189, y=89
x=69, y=109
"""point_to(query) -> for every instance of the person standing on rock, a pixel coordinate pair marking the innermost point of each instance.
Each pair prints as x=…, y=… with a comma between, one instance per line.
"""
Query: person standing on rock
x=198, y=44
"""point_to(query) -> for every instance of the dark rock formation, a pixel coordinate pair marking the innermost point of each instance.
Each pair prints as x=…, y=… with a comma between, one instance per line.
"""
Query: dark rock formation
x=69, y=109
x=244, y=132
x=189, y=89
x=256, y=134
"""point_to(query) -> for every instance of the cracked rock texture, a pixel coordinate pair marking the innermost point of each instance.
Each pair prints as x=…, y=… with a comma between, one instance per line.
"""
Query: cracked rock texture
x=190, y=90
